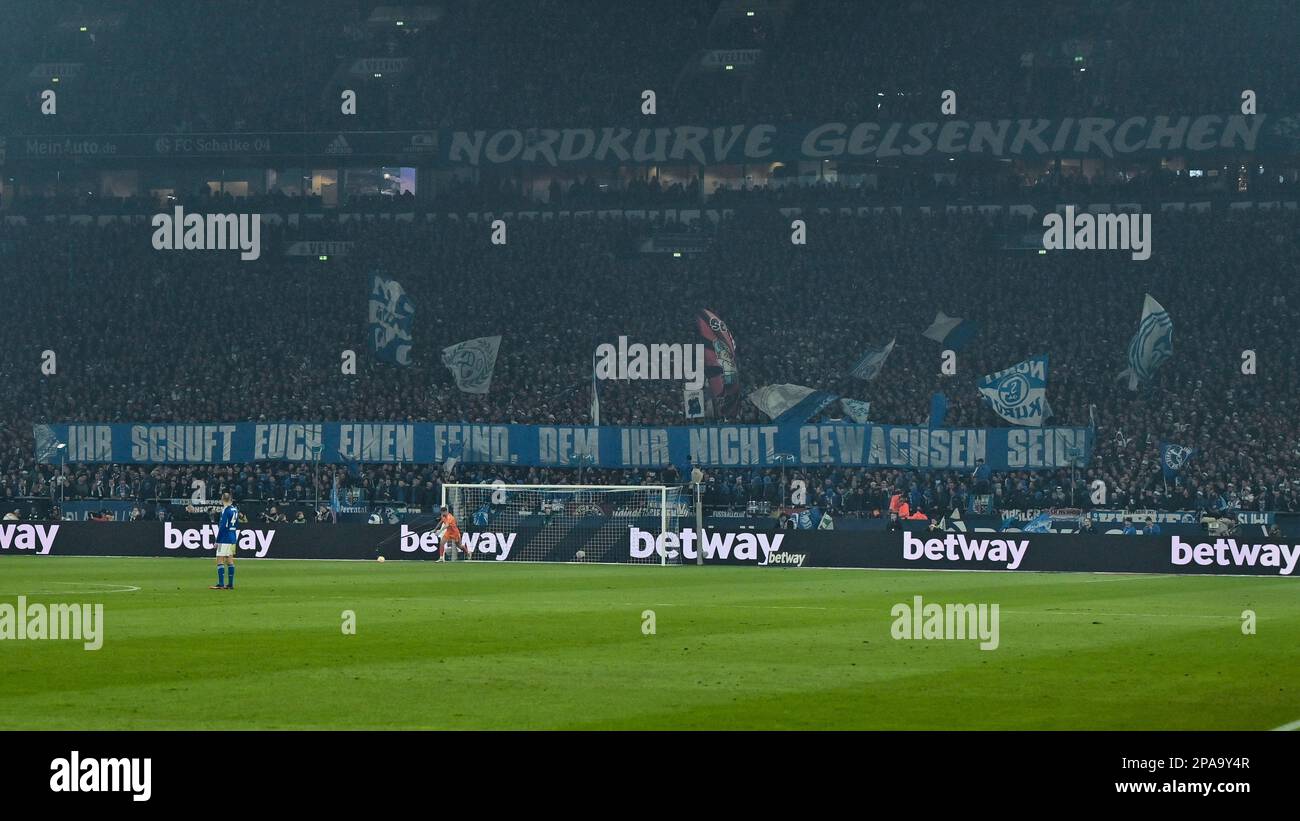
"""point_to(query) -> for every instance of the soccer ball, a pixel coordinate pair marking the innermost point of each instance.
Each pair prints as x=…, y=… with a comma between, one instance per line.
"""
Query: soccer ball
x=580, y=555
x=381, y=558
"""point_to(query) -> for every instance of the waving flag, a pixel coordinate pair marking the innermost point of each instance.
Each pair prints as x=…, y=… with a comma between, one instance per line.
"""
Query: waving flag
x=856, y=409
x=595, y=395
x=47, y=444
x=950, y=331
x=1042, y=523
x=790, y=403
x=1152, y=344
x=471, y=362
x=872, y=361
x=1019, y=393
x=1173, y=458
x=391, y=315
x=720, y=371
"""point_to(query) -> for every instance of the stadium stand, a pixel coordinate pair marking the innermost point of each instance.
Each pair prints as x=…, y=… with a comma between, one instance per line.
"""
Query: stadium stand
x=141, y=343
x=138, y=340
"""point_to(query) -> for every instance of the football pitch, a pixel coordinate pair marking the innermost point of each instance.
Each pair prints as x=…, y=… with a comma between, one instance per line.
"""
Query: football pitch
x=509, y=645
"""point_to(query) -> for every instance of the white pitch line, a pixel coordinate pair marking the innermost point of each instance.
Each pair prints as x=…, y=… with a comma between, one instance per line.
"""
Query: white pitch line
x=1288, y=727
x=872, y=610
x=1098, y=613
x=1177, y=616
x=121, y=588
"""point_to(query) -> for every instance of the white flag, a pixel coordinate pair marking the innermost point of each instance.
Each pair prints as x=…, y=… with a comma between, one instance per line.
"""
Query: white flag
x=941, y=327
x=856, y=409
x=1152, y=344
x=872, y=361
x=790, y=403
x=471, y=362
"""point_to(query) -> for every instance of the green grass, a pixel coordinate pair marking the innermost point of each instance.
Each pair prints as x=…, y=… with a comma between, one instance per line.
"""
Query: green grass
x=504, y=645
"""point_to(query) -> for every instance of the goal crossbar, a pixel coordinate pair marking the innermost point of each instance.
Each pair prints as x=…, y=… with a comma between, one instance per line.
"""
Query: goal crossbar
x=591, y=523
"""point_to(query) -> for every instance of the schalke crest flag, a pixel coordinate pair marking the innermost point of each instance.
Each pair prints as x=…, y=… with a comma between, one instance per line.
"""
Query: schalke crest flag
x=471, y=362
x=1019, y=393
x=1173, y=458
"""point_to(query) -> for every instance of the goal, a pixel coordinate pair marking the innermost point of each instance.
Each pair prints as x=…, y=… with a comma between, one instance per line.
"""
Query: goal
x=566, y=523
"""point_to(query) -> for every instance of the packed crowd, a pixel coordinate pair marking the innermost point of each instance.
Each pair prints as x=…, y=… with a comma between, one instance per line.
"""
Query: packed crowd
x=139, y=337
x=587, y=62
x=634, y=189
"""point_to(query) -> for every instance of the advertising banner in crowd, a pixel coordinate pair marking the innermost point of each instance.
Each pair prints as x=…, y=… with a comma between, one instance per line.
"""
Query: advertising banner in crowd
x=704, y=143
x=765, y=142
x=867, y=445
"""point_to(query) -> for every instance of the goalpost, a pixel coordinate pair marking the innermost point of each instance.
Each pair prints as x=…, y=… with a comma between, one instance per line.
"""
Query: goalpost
x=566, y=523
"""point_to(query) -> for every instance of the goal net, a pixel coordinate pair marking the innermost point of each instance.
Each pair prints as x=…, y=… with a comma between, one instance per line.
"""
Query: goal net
x=566, y=523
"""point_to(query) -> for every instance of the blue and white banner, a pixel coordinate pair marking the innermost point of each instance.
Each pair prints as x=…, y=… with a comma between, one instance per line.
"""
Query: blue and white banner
x=472, y=362
x=872, y=361
x=790, y=403
x=1019, y=393
x=831, y=443
x=1151, y=345
x=391, y=314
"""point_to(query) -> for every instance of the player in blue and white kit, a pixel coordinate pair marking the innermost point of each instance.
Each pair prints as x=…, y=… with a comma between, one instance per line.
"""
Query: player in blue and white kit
x=227, y=538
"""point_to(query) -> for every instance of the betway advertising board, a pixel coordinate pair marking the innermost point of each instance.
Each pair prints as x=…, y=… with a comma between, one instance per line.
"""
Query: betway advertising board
x=902, y=550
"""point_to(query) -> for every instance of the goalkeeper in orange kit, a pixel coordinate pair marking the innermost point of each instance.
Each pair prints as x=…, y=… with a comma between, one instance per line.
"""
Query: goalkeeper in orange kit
x=448, y=534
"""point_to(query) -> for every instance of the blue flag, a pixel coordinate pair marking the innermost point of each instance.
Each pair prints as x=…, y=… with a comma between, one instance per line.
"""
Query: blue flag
x=1042, y=523
x=938, y=410
x=811, y=519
